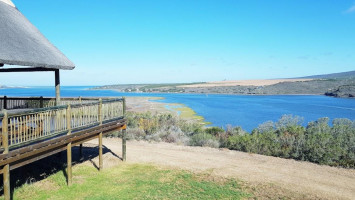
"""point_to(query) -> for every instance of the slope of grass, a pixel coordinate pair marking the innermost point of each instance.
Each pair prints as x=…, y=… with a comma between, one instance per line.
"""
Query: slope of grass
x=131, y=181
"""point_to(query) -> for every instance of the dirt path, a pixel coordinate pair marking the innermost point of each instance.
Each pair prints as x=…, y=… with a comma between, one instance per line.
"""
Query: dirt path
x=303, y=178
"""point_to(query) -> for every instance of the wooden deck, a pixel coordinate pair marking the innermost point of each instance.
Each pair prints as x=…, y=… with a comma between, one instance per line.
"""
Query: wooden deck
x=30, y=134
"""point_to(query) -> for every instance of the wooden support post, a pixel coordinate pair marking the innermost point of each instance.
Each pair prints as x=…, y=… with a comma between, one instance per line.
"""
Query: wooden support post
x=5, y=102
x=5, y=145
x=100, y=152
x=124, y=138
x=57, y=87
x=69, y=163
x=80, y=99
x=69, y=154
x=100, y=137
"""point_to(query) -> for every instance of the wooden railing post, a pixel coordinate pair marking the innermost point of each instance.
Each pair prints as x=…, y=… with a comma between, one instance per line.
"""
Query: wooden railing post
x=41, y=102
x=124, y=106
x=81, y=145
x=100, y=111
x=69, y=154
x=5, y=145
x=100, y=136
x=5, y=102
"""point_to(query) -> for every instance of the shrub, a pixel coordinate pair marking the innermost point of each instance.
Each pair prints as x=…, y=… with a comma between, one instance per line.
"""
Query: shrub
x=215, y=131
x=135, y=133
x=204, y=140
x=287, y=138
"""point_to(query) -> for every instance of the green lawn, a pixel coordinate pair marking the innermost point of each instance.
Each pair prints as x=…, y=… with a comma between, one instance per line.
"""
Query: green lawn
x=131, y=181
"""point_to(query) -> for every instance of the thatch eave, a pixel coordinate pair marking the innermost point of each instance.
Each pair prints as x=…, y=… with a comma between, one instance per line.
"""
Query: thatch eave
x=32, y=65
x=21, y=43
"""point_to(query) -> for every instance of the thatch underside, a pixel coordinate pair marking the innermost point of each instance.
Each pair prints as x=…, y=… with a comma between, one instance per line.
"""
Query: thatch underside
x=21, y=43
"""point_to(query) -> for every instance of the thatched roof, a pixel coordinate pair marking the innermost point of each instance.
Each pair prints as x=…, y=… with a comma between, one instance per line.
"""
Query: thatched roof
x=8, y=2
x=21, y=43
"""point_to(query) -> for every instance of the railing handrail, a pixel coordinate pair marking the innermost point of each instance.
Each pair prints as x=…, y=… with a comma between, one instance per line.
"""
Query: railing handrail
x=30, y=125
x=53, y=98
x=36, y=110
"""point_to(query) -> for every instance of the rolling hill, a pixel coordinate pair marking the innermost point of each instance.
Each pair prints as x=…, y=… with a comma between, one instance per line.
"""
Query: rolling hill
x=336, y=84
x=350, y=74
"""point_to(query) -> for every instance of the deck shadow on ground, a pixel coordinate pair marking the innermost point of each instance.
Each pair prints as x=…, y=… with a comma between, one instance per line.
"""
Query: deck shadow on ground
x=45, y=167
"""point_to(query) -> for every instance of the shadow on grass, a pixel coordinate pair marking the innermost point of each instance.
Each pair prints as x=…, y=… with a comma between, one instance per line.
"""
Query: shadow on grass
x=45, y=167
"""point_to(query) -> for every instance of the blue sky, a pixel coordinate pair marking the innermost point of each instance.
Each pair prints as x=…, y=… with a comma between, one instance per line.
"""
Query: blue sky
x=121, y=41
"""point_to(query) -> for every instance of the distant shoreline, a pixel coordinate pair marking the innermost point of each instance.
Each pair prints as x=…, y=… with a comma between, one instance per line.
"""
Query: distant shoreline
x=342, y=87
x=328, y=93
x=12, y=87
x=214, y=93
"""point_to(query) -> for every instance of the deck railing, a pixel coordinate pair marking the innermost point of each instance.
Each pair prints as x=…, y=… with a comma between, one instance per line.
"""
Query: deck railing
x=10, y=103
x=21, y=128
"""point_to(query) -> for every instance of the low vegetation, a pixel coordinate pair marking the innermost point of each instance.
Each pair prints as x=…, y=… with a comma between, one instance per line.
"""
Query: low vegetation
x=318, y=142
x=131, y=181
x=342, y=91
x=338, y=87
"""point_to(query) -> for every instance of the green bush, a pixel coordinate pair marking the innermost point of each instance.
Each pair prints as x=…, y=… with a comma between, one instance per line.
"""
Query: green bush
x=287, y=138
x=204, y=140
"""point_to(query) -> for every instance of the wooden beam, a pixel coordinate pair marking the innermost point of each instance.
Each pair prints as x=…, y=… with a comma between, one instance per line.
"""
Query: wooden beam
x=35, y=69
x=57, y=87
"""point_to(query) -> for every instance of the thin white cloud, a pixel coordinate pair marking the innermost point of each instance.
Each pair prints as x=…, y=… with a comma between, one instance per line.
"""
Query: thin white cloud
x=351, y=9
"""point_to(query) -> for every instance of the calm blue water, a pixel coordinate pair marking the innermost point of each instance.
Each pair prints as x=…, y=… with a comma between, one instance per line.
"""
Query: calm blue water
x=237, y=110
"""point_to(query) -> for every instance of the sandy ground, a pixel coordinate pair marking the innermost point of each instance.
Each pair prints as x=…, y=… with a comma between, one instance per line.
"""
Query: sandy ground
x=300, y=180
x=243, y=83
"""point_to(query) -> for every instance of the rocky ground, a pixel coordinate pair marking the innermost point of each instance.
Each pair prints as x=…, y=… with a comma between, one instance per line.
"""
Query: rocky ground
x=342, y=91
